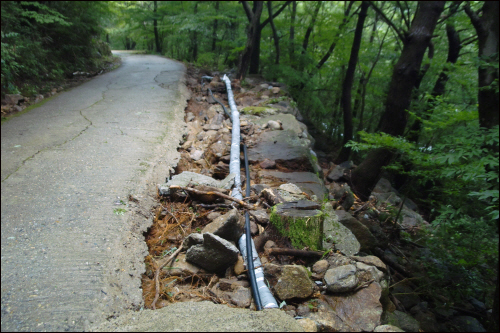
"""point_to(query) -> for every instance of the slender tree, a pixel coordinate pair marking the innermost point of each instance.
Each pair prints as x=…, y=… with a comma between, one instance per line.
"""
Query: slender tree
x=275, y=33
x=347, y=85
x=155, y=27
x=404, y=78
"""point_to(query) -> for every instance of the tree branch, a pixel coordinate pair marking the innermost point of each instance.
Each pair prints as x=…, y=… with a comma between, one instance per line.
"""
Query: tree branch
x=389, y=22
x=219, y=194
x=248, y=11
x=263, y=24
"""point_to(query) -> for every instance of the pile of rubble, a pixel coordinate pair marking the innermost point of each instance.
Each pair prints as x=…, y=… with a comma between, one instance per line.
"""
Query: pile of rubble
x=313, y=235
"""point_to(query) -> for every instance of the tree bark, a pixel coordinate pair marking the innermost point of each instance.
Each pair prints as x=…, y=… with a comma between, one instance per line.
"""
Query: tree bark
x=347, y=85
x=487, y=32
x=253, y=37
x=155, y=27
x=404, y=77
x=275, y=33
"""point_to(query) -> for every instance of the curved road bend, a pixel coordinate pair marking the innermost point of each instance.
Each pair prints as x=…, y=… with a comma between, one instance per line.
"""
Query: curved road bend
x=68, y=259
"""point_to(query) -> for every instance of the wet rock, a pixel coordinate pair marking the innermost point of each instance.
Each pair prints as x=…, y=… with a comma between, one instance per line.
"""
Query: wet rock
x=181, y=267
x=341, y=279
x=191, y=178
x=373, y=261
x=214, y=255
x=268, y=164
x=308, y=182
x=403, y=320
x=387, y=328
x=343, y=194
x=260, y=216
x=362, y=233
x=192, y=239
x=289, y=281
x=228, y=226
x=406, y=296
x=465, y=324
x=336, y=235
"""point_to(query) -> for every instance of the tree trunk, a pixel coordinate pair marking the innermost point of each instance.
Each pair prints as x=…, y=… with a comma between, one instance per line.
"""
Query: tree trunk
x=253, y=37
x=155, y=27
x=275, y=33
x=404, y=78
x=487, y=32
x=438, y=90
x=214, y=30
x=347, y=85
x=310, y=27
x=291, y=49
x=195, y=36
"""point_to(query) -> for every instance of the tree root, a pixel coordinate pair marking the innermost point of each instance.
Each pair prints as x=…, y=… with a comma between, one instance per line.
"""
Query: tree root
x=219, y=194
x=162, y=263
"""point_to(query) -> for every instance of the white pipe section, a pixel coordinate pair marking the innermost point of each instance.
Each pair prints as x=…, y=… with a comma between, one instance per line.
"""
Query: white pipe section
x=266, y=297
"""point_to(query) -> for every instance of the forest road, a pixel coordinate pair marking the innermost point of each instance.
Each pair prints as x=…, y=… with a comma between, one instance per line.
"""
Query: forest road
x=68, y=169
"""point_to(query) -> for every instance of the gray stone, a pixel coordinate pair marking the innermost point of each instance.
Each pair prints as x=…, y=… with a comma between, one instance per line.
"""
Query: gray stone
x=289, y=281
x=280, y=145
x=196, y=154
x=288, y=122
x=373, y=272
x=342, y=193
x=258, y=188
x=191, y=178
x=192, y=239
x=13, y=99
x=213, y=215
x=214, y=255
x=362, y=233
x=181, y=267
x=373, y=261
x=268, y=164
x=273, y=125
x=292, y=188
x=320, y=266
x=308, y=182
x=341, y=279
x=217, y=119
x=299, y=205
x=228, y=226
x=261, y=216
x=387, y=328
x=241, y=297
x=336, y=235
x=404, y=321
x=212, y=127
x=406, y=296
x=336, y=174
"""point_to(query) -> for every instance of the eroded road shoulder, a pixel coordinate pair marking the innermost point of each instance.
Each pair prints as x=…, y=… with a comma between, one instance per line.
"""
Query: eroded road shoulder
x=69, y=169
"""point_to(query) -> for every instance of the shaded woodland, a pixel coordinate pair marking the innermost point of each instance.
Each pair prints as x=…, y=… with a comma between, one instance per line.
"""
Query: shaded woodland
x=405, y=89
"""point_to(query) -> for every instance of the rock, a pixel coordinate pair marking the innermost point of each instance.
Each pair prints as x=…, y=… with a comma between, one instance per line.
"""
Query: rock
x=217, y=119
x=406, y=296
x=196, y=154
x=465, y=324
x=308, y=182
x=404, y=321
x=343, y=194
x=326, y=319
x=239, y=267
x=213, y=215
x=206, y=135
x=287, y=121
x=269, y=245
x=38, y=98
x=228, y=226
x=299, y=205
x=192, y=239
x=189, y=116
x=191, y=178
x=373, y=261
x=372, y=272
x=217, y=150
x=291, y=188
x=13, y=99
x=374, y=226
x=260, y=216
x=478, y=305
x=212, y=127
x=337, y=235
x=387, y=328
x=268, y=164
x=17, y=108
x=258, y=188
x=289, y=281
x=319, y=268
x=254, y=230
x=273, y=125
x=307, y=324
x=272, y=196
x=336, y=174
x=280, y=145
x=362, y=233
x=182, y=268
x=214, y=255
x=302, y=226
x=427, y=321
x=341, y=279
x=276, y=90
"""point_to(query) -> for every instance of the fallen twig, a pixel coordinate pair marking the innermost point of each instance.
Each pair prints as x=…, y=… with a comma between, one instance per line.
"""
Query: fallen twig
x=162, y=263
x=222, y=195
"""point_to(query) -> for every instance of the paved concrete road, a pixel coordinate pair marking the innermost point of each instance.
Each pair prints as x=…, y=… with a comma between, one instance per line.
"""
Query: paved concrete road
x=67, y=259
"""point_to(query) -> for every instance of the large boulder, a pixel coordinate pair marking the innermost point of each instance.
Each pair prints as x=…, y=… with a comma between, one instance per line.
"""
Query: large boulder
x=336, y=235
x=228, y=226
x=402, y=320
x=214, y=255
x=362, y=233
x=289, y=281
x=341, y=279
x=308, y=182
